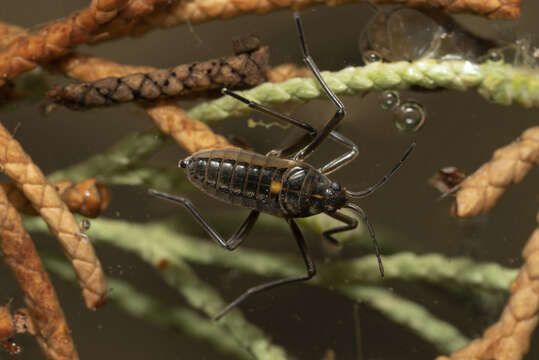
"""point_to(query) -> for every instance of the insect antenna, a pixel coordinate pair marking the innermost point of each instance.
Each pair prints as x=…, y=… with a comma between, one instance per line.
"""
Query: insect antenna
x=363, y=216
x=366, y=192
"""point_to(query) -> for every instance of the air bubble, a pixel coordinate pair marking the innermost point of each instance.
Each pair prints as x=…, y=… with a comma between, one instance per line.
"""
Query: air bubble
x=389, y=100
x=83, y=237
x=85, y=225
x=409, y=117
x=495, y=55
x=371, y=56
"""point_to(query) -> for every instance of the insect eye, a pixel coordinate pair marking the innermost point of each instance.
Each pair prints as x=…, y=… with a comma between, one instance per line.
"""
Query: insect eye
x=329, y=192
x=183, y=163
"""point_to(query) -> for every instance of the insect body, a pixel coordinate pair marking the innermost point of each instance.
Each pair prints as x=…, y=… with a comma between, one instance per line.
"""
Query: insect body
x=280, y=187
x=280, y=183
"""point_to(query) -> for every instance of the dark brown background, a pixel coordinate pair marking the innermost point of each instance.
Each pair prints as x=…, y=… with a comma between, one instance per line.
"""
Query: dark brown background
x=462, y=129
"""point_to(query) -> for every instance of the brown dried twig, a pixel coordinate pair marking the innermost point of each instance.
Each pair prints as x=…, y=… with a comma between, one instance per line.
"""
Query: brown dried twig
x=509, y=338
x=509, y=165
x=198, y=11
x=245, y=69
x=8, y=33
x=44, y=198
x=190, y=134
x=58, y=37
x=88, y=198
x=19, y=253
x=496, y=9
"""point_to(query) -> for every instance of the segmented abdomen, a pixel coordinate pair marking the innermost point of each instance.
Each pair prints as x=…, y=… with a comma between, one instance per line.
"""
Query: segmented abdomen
x=271, y=185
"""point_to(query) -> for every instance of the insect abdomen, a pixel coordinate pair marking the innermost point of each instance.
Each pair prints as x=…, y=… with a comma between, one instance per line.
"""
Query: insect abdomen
x=240, y=178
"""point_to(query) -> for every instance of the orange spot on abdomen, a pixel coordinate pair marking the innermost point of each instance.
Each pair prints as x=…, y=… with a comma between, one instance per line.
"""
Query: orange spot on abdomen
x=275, y=187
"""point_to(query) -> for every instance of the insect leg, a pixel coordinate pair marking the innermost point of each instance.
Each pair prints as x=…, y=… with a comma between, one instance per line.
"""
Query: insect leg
x=363, y=216
x=311, y=271
x=342, y=160
x=339, y=114
x=263, y=109
x=312, y=132
x=233, y=242
x=350, y=222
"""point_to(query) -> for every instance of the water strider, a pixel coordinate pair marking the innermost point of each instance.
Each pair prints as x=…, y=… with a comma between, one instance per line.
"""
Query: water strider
x=280, y=183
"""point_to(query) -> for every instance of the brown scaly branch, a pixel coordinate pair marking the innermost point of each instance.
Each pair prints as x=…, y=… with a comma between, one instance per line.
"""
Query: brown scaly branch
x=44, y=198
x=509, y=338
x=19, y=253
x=88, y=198
x=244, y=69
x=509, y=165
x=58, y=37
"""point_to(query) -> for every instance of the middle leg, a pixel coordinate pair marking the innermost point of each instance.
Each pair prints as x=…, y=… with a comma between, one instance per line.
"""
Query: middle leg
x=311, y=134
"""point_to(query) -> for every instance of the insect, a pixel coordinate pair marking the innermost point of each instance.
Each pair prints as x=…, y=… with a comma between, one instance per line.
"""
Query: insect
x=280, y=183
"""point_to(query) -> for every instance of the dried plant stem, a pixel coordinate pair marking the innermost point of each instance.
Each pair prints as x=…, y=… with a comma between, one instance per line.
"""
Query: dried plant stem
x=8, y=33
x=509, y=338
x=190, y=134
x=29, y=178
x=496, y=81
x=91, y=68
x=19, y=253
x=58, y=37
x=480, y=191
x=88, y=198
x=185, y=320
x=242, y=70
x=7, y=327
x=495, y=9
x=198, y=11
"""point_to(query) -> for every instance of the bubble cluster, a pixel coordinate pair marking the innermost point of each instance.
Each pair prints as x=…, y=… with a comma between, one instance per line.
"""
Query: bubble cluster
x=409, y=116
